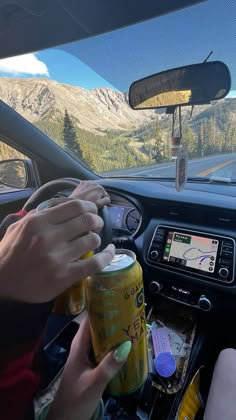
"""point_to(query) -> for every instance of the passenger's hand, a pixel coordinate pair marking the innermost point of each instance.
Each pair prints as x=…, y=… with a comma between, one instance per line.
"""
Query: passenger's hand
x=82, y=384
x=90, y=191
x=39, y=255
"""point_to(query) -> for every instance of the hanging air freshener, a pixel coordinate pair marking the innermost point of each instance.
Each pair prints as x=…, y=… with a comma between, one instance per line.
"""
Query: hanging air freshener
x=179, y=152
x=181, y=168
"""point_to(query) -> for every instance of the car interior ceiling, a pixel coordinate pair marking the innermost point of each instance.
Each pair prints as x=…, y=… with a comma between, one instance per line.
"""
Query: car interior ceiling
x=71, y=21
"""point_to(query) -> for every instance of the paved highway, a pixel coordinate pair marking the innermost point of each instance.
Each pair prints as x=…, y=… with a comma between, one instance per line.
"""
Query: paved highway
x=217, y=166
x=221, y=165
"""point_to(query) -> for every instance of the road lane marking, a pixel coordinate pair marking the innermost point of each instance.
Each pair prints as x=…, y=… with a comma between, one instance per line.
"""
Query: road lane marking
x=171, y=165
x=158, y=168
x=215, y=168
x=155, y=169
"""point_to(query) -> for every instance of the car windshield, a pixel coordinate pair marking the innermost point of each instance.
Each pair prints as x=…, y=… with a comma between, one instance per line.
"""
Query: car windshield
x=77, y=94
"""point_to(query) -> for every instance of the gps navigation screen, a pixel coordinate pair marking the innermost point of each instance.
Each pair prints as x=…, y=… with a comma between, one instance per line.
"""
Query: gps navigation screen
x=191, y=251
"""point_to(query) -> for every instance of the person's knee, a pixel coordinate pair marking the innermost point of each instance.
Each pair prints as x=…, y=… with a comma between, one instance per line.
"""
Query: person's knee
x=221, y=403
x=227, y=359
x=224, y=374
x=229, y=352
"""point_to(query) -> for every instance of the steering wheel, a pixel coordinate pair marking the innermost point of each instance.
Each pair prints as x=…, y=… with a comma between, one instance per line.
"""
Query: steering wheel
x=48, y=190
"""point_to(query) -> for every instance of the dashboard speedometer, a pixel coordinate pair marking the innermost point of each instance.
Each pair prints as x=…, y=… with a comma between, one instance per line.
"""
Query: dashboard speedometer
x=132, y=220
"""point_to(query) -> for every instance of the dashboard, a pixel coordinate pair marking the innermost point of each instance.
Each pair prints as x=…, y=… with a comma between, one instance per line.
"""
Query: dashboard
x=185, y=242
x=125, y=217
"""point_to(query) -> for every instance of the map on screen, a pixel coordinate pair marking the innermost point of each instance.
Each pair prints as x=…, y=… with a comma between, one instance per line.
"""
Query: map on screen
x=191, y=251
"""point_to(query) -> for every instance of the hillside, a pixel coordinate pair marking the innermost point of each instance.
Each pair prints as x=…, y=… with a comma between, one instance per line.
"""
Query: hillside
x=107, y=133
x=95, y=110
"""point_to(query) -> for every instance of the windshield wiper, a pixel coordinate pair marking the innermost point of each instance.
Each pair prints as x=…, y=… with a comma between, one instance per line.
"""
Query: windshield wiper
x=221, y=180
x=212, y=180
x=195, y=179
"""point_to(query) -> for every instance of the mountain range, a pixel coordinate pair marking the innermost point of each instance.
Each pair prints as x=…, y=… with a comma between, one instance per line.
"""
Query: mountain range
x=109, y=133
x=95, y=110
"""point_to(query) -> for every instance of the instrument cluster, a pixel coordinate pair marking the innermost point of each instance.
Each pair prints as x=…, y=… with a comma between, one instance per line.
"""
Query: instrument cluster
x=125, y=217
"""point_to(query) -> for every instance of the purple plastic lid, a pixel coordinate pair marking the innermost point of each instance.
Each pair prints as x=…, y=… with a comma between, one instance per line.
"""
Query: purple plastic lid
x=165, y=365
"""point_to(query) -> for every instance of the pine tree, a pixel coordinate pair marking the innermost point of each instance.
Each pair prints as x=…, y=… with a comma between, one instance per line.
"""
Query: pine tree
x=71, y=143
x=166, y=149
x=189, y=141
x=158, y=147
x=229, y=137
x=212, y=146
x=200, y=140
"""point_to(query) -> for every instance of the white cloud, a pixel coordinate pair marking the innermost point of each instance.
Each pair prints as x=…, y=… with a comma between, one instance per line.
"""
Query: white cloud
x=23, y=64
x=232, y=94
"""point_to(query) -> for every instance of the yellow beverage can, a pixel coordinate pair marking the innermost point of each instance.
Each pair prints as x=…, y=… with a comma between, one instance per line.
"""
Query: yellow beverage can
x=75, y=295
x=116, y=309
x=72, y=301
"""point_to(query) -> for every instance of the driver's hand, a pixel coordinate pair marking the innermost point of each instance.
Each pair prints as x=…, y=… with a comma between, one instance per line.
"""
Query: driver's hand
x=82, y=384
x=39, y=255
x=90, y=191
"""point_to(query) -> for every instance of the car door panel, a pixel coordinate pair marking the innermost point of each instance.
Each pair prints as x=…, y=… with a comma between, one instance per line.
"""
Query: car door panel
x=13, y=201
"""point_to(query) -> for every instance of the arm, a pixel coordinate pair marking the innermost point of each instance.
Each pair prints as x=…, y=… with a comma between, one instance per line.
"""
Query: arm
x=82, y=383
x=35, y=237
x=88, y=191
x=11, y=218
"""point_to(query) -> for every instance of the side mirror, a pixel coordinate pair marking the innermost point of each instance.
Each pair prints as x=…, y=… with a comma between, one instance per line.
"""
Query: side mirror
x=16, y=173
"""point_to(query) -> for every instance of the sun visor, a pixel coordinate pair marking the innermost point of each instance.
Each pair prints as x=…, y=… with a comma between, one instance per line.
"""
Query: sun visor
x=109, y=15
x=32, y=7
x=32, y=25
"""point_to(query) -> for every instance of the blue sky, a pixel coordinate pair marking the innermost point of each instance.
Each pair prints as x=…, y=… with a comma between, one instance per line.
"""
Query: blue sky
x=53, y=64
x=66, y=68
x=118, y=58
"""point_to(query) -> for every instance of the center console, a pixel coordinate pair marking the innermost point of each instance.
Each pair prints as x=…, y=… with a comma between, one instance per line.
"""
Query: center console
x=194, y=253
x=187, y=256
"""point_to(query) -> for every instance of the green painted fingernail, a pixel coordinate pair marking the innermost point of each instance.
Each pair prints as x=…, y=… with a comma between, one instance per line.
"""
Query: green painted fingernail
x=122, y=352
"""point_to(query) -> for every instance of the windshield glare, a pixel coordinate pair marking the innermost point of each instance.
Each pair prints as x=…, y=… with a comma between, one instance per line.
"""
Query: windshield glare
x=77, y=95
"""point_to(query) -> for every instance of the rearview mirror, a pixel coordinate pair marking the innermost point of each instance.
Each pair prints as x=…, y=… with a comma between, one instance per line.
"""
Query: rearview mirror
x=189, y=85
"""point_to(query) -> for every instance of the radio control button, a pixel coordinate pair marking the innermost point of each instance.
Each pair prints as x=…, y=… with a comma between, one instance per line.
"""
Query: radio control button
x=154, y=254
x=227, y=248
x=226, y=262
x=155, y=287
x=204, y=303
x=160, y=231
x=156, y=244
x=227, y=243
x=226, y=254
x=159, y=239
x=223, y=272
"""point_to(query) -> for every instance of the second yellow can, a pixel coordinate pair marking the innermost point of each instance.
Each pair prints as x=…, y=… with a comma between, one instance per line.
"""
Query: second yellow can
x=72, y=301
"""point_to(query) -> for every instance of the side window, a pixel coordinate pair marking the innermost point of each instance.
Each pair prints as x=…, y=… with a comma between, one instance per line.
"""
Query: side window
x=13, y=173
